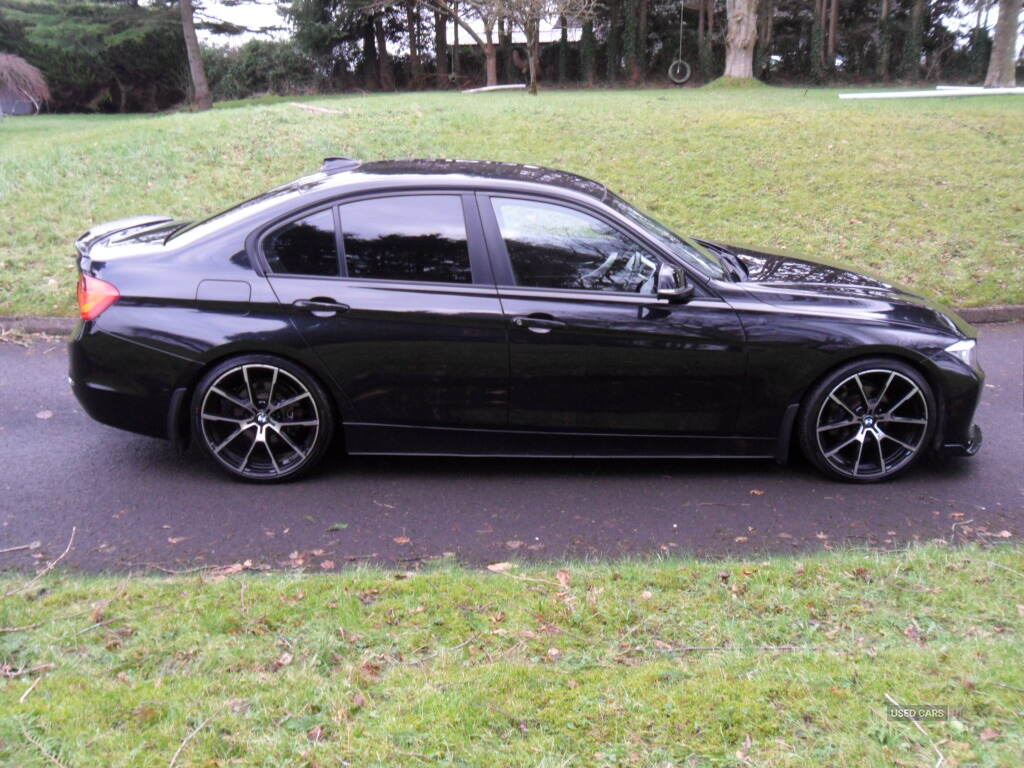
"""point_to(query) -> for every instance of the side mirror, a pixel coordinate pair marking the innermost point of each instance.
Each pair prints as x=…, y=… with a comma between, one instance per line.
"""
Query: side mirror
x=672, y=284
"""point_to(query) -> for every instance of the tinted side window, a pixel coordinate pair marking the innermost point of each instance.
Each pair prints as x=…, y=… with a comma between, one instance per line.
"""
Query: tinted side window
x=408, y=237
x=304, y=247
x=551, y=246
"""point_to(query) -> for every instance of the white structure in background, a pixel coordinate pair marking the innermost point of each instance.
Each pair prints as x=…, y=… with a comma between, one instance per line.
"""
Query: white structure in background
x=939, y=92
x=550, y=32
x=257, y=16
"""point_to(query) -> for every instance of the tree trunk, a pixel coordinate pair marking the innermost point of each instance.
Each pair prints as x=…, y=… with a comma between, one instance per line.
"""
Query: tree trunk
x=818, y=41
x=587, y=50
x=505, y=43
x=700, y=23
x=1002, y=64
x=455, y=39
x=706, y=50
x=833, y=25
x=611, y=44
x=412, y=16
x=629, y=37
x=201, y=96
x=912, y=47
x=533, y=42
x=640, y=60
x=884, y=42
x=441, y=45
x=369, y=66
x=387, y=75
x=740, y=38
x=563, y=49
x=765, y=25
x=491, y=61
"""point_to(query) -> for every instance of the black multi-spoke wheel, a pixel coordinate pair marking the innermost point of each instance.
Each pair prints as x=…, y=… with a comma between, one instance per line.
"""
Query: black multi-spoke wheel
x=868, y=421
x=261, y=418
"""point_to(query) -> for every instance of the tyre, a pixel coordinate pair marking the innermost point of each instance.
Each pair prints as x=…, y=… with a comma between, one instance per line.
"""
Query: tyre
x=262, y=418
x=869, y=420
x=679, y=72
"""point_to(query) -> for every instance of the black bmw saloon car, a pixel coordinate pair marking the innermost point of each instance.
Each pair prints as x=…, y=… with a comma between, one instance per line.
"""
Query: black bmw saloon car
x=483, y=308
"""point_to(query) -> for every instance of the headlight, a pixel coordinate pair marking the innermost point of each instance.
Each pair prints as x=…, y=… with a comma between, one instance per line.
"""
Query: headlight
x=965, y=351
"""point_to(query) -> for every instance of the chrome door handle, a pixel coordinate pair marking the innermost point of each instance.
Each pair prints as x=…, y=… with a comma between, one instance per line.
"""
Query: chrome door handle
x=321, y=307
x=537, y=324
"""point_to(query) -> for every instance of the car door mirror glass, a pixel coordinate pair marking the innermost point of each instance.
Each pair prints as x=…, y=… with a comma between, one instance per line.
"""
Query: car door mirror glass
x=672, y=284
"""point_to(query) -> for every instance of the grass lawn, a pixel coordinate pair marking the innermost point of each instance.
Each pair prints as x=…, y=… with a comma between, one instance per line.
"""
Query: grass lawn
x=926, y=192
x=782, y=662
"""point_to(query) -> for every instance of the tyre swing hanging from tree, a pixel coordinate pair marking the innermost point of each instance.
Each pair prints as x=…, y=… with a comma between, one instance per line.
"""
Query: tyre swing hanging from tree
x=679, y=70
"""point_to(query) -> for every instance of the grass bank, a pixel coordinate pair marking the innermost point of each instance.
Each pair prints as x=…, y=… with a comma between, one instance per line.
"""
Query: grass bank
x=926, y=192
x=782, y=662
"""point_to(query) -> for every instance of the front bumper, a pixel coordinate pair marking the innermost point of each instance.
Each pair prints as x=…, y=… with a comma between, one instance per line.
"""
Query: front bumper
x=968, y=447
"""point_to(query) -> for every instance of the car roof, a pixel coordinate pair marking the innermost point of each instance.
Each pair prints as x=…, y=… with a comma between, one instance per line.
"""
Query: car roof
x=344, y=172
x=341, y=175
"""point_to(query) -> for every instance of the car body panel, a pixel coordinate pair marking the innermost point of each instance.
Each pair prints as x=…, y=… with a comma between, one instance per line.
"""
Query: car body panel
x=442, y=368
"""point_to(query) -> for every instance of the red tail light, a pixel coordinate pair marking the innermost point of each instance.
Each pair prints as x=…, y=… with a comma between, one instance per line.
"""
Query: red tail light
x=94, y=296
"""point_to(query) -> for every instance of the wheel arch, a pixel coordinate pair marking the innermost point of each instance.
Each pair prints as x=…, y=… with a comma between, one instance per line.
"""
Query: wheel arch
x=794, y=409
x=179, y=423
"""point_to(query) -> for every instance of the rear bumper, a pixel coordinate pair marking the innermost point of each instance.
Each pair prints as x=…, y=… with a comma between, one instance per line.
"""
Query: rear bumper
x=121, y=383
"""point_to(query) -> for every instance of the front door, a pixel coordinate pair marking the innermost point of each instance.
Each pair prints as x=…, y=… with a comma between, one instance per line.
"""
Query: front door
x=592, y=348
x=395, y=295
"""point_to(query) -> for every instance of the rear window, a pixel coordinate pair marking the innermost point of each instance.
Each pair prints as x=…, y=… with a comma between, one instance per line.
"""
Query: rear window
x=307, y=246
x=406, y=237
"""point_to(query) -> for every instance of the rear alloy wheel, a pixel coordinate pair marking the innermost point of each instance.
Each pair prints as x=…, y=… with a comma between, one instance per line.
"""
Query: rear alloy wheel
x=261, y=418
x=868, y=421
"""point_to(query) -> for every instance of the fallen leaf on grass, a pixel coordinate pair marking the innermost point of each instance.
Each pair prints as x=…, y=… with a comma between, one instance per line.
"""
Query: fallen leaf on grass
x=97, y=611
x=821, y=535
x=564, y=577
x=44, y=415
x=513, y=544
x=554, y=654
x=177, y=539
x=283, y=660
x=741, y=539
x=221, y=572
x=646, y=595
x=989, y=734
x=315, y=734
x=327, y=565
x=238, y=705
x=401, y=540
x=500, y=567
x=756, y=492
x=913, y=632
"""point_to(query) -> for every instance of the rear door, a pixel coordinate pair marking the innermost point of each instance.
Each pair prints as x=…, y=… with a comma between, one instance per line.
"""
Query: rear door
x=592, y=349
x=396, y=295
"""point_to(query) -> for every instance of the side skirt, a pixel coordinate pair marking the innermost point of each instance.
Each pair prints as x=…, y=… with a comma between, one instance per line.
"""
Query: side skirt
x=364, y=438
x=786, y=433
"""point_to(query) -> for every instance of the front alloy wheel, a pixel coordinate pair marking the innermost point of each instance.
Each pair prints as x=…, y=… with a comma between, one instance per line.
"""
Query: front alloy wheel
x=261, y=418
x=868, y=421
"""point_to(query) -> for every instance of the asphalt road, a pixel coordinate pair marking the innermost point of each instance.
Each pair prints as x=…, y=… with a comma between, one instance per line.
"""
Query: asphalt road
x=136, y=503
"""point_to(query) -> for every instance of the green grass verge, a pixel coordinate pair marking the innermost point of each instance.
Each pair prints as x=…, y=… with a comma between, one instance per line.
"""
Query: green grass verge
x=925, y=192
x=782, y=662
